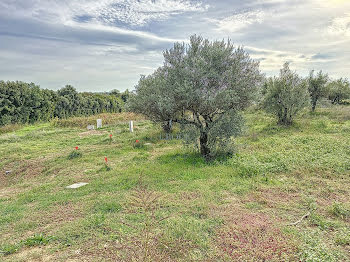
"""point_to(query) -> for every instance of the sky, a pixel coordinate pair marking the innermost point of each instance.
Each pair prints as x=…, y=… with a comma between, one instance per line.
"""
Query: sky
x=107, y=44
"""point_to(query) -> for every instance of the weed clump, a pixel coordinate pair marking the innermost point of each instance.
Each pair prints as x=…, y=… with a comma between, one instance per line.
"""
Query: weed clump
x=147, y=242
x=75, y=154
x=138, y=144
x=338, y=210
x=36, y=240
x=106, y=166
x=343, y=238
x=9, y=249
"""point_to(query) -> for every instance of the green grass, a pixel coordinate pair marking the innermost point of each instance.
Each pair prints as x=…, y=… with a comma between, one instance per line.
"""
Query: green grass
x=200, y=209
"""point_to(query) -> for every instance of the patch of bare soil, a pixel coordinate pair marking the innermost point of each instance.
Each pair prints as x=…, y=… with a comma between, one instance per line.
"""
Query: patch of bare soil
x=51, y=220
x=20, y=169
x=34, y=254
x=8, y=192
x=273, y=197
x=251, y=236
x=64, y=213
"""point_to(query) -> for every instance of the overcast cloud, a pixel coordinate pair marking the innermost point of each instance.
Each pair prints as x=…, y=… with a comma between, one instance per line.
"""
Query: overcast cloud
x=107, y=44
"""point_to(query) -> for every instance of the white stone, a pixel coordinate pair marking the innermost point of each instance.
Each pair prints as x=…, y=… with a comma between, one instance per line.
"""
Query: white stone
x=90, y=127
x=77, y=185
x=131, y=126
x=99, y=123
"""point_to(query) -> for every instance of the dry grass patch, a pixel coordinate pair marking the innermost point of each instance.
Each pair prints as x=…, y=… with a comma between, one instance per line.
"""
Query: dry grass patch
x=8, y=192
x=61, y=214
x=92, y=133
x=273, y=197
x=252, y=236
x=107, y=119
x=33, y=254
x=21, y=169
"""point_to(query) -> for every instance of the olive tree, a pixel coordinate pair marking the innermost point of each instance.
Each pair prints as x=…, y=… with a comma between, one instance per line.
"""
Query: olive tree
x=317, y=87
x=339, y=90
x=286, y=95
x=206, y=86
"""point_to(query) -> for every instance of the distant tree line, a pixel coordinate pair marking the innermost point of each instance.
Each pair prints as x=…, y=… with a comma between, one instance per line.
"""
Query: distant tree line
x=27, y=103
x=288, y=93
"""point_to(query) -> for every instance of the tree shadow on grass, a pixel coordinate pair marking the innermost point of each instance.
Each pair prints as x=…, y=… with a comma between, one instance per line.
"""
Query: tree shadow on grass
x=183, y=159
x=275, y=128
x=194, y=159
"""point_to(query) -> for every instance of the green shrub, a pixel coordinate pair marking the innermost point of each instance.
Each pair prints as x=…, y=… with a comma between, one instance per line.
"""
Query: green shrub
x=75, y=154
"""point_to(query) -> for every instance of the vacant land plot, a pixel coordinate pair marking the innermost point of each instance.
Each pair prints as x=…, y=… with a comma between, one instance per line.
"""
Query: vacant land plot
x=284, y=196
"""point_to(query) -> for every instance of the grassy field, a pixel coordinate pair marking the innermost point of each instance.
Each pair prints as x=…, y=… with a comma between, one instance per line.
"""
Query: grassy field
x=158, y=201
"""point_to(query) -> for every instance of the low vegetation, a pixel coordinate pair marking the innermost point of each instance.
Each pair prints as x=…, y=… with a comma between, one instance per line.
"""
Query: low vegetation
x=163, y=202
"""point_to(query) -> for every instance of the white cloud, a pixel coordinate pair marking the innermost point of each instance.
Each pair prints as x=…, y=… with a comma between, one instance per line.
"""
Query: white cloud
x=240, y=21
x=107, y=12
x=141, y=12
x=340, y=26
x=272, y=60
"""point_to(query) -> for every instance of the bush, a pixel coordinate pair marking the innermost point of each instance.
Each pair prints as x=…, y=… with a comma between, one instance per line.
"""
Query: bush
x=75, y=154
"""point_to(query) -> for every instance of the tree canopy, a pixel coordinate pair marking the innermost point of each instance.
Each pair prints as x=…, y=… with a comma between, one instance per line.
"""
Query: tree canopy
x=286, y=95
x=202, y=86
x=339, y=90
x=317, y=87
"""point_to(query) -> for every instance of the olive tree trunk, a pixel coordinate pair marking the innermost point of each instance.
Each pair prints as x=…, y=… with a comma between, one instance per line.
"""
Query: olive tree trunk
x=204, y=147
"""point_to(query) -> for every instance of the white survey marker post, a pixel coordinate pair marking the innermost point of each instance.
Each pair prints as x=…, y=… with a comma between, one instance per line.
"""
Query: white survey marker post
x=99, y=123
x=131, y=126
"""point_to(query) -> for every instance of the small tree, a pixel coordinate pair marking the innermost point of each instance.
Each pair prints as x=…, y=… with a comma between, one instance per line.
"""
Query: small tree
x=317, y=87
x=206, y=85
x=339, y=90
x=286, y=95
